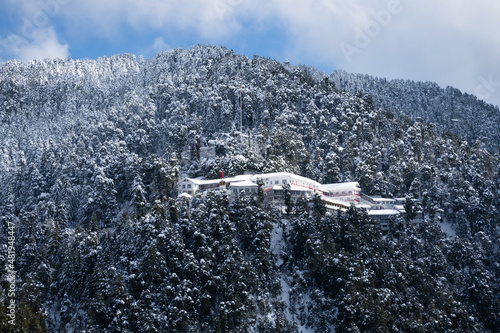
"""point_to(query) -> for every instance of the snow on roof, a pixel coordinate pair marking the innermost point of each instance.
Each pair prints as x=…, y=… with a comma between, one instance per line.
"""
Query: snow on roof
x=342, y=186
x=273, y=175
x=243, y=183
x=284, y=175
x=201, y=181
x=401, y=208
x=383, y=199
x=185, y=195
x=247, y=179
x=378, y=212
x=364, y=207
x=337, y=202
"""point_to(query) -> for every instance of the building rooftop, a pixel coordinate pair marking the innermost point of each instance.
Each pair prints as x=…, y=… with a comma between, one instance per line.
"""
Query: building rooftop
x=336, y=187
x=383, y=199
x=377, y=212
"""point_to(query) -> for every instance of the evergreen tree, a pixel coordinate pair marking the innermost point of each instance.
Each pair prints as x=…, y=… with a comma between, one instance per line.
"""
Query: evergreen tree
x=287, y=196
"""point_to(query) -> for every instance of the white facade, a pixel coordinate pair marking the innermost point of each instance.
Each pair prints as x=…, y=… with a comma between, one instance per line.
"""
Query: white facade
x=384, y=216
x=273, y=183
x=339, y=195
x=272, y=180
x=345, y=192
x=383, y=203
x=299, y=186
x=192, y=186
x=336, y=196
x=246, y=186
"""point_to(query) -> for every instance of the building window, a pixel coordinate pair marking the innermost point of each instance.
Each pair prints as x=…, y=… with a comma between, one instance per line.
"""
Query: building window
x=276, y=182
x=183, y=186
x=189, y=185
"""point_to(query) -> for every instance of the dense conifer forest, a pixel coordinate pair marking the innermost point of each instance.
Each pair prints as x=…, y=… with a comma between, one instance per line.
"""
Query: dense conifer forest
x=91, y=152
x=449, y=109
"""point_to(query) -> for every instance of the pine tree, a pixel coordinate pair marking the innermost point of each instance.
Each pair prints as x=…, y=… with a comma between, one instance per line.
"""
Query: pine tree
x=287, y=196
x=138, y=197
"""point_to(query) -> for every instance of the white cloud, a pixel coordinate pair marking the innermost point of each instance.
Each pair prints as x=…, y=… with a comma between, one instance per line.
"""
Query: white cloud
x=44, y=43
x=215, y=18
x=160, y=45
x=450, y=42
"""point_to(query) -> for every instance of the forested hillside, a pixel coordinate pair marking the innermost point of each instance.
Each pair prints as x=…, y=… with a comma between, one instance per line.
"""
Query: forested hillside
x=90, y=154
x=449, y=109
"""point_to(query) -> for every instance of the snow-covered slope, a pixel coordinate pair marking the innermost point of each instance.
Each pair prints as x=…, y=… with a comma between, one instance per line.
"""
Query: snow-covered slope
x=91, y=152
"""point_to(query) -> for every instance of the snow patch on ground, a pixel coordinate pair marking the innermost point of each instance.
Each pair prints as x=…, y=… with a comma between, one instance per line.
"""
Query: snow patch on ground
x=305, y=301
x=277, y=243
x=448, y=229
x=277, y=248
x=285, y=297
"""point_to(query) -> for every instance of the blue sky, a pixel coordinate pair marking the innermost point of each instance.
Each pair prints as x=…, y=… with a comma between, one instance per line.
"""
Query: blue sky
x=452, y=42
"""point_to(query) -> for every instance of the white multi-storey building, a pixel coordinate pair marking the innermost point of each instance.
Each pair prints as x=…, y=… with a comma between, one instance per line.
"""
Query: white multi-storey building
x=190, y=186
x=336, y=196
x=272, y=185
x=345, y=192
x=340, y=195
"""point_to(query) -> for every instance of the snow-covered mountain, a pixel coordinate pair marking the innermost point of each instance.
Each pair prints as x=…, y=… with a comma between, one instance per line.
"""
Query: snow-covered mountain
x=449, y=109
x=92, y=150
